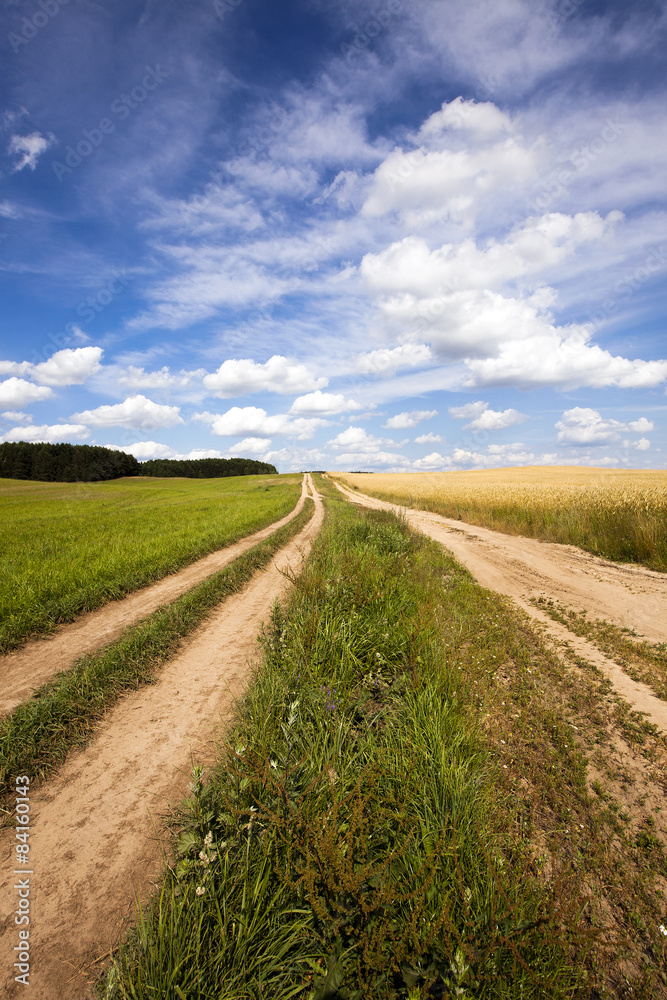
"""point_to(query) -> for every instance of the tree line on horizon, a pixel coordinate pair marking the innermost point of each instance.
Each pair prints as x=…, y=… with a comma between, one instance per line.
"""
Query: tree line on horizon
x=83, y=463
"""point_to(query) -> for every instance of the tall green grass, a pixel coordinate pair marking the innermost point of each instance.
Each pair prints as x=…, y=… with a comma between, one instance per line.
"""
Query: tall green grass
x=352, y=841
x=66, y=548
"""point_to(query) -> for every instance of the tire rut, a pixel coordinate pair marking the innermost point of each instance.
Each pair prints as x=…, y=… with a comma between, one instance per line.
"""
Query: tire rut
x=26, y=669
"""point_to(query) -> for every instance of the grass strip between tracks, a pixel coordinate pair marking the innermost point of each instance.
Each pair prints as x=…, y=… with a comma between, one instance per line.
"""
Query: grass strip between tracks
x=367, y=833
x=642, y=660
x=37, y=736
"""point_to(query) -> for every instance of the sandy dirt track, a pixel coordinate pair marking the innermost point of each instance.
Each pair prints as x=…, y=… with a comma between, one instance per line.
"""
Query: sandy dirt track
x=97, y=826
x=31, y=666
x=525, y=568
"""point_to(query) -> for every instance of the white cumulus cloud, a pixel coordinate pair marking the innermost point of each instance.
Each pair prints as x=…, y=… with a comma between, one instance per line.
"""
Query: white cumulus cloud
x=239, y=377
x=16, y=417
x=71, y=366
x=470, y=302
x=432, y=462
x=485, y=419
x=404, y=420
x=68, y=367
x=253, y=421
x=145, y=450
x=251, y=446
x=136, y=412
x=429, y=438
x=394, y=359
x=19, y=368
x=17, y=392
x=319, y=402
x=583, y=426
x=360, y=441
x=46, y=434
x=496, y=456
x=642, y=425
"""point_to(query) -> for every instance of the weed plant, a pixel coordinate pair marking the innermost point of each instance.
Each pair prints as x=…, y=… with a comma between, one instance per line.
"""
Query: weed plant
x=618, y=514
x=37, y=736
x=66, y=548
x=357, y=837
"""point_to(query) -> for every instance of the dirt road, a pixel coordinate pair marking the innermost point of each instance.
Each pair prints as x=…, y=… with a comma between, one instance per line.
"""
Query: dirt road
x=27, y=668
x=96, y=828
x=525, y=568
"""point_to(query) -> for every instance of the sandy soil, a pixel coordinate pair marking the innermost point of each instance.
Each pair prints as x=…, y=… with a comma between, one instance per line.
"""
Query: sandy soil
x=25, y=669
x=525, y=568
x=98, y=826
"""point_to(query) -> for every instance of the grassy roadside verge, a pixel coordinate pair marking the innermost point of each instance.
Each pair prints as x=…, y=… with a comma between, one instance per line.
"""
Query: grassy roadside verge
x=642, y=660
x=402, y=808
x=37, y=736
x=68, y=548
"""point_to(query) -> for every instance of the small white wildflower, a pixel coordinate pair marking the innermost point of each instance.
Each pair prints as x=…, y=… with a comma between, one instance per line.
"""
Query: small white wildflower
x=663, y=930
x=200, y=890
x=274, y=765
x=208, y=839
x=203, y=855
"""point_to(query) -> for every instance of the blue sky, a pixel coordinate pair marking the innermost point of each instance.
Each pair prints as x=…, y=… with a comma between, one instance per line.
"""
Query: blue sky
x=328, y=234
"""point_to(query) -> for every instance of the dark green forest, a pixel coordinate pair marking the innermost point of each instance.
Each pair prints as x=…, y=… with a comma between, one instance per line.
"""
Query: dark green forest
x=205, y=468
x=83, y=463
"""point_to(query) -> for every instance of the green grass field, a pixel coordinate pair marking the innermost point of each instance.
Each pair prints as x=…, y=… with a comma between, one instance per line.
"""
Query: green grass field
x=67, y=548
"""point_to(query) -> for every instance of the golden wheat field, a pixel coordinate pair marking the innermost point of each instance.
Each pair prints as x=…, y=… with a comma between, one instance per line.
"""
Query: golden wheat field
x=617, y=513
